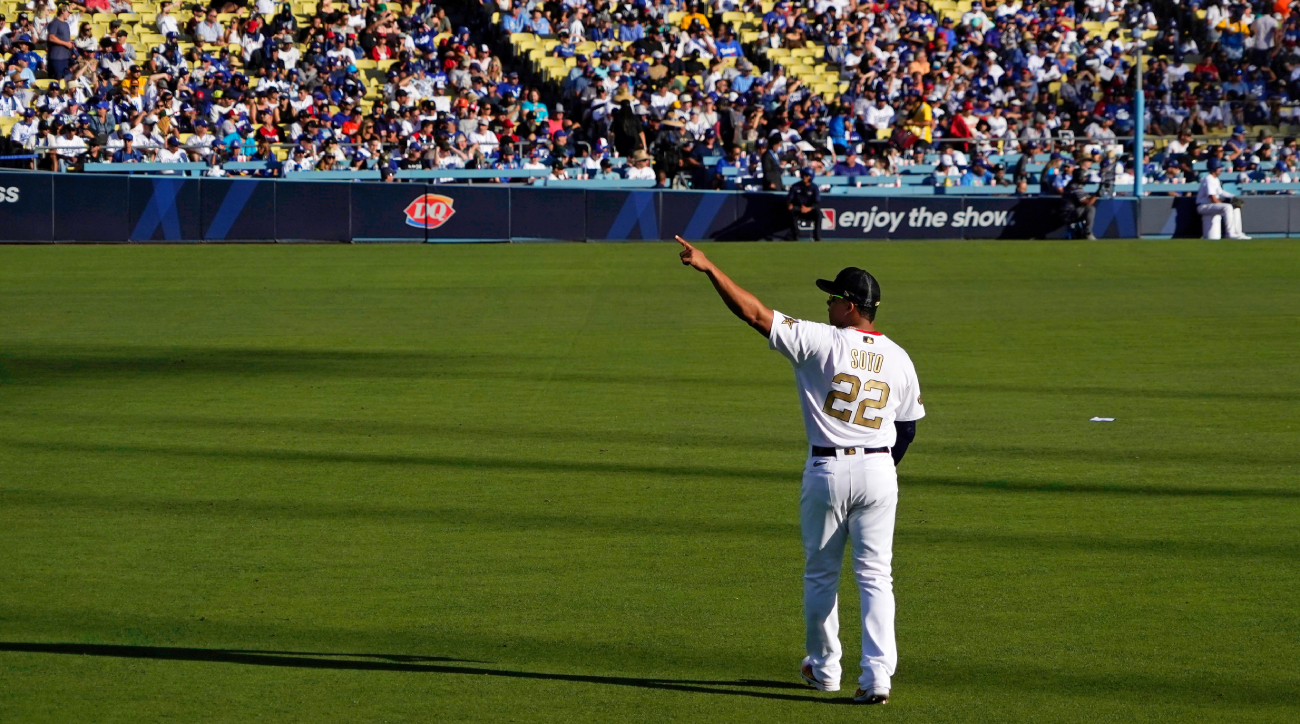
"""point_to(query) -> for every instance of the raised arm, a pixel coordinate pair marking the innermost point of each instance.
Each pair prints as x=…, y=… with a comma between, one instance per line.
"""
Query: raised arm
x=740, y=302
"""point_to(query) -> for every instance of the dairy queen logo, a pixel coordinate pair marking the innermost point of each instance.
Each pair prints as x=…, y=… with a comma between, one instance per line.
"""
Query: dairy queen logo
x=429, y=211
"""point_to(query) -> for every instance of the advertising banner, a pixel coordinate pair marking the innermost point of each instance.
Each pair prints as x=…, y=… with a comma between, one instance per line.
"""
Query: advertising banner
x=846, y=217
x=26, y=207
x=104, y=208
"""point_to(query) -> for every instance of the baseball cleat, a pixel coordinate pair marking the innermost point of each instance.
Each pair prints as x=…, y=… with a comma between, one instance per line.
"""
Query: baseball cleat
x=806, y=671
x=875, y=696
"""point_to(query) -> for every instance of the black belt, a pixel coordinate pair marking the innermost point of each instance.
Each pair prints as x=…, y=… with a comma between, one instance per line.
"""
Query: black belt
x=829, y=452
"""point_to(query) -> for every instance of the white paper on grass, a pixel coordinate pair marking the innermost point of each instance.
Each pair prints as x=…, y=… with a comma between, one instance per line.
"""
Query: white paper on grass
x=1103, y=419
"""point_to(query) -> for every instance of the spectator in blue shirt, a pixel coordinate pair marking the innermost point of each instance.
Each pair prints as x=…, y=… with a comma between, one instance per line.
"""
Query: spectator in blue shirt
x=515, y=21
x=850, y=166
x=540, y=24
x=630, y=33
x=743, y=82
x=510, y=86
x=567, y=47
x=945, y=29
x=733, y=159
x=601, y=31
x=344, y=114
x=128, y=152
x=24, y=43
x=727, y=46
x=976, y=175
x=506, y=161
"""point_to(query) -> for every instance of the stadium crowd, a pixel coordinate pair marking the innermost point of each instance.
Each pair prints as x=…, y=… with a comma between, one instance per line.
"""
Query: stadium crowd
x=657, y=89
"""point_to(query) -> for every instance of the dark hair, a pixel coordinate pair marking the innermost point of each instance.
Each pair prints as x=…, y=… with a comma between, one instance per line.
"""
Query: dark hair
x=867, y=310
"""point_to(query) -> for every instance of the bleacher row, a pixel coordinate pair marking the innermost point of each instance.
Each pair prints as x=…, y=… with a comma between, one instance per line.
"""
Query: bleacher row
x=807, y=64
x=142, y=32
x=915, y=179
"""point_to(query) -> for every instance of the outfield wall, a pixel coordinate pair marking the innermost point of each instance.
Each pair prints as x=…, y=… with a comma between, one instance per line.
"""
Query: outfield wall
x=46, y=207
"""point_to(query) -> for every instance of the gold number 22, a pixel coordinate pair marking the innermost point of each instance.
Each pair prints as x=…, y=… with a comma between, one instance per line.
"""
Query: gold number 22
x=856, y=386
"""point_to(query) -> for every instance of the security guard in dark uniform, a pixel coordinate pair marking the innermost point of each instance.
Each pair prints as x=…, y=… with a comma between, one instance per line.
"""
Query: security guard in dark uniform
x=805, y=202
x=1080, y=207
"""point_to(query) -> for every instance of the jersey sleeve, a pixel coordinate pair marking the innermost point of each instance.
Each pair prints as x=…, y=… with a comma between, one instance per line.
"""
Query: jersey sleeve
x=798, y=339
x=911, y=408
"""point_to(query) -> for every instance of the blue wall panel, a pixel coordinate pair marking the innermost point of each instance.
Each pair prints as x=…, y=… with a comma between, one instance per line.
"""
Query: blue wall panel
x=379, y=212
x=312, y=211
x=237, y=209
x=548, y=214
x=696, y=214
x=758, y=216
x=164, y=208
x=623, y=215
x=467, y=212
x=91, y=208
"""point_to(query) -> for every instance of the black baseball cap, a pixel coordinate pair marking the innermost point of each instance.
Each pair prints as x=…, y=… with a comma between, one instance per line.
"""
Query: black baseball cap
x=855, y=285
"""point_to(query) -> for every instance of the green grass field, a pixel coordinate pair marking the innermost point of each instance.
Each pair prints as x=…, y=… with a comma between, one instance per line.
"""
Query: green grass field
x=559, y=483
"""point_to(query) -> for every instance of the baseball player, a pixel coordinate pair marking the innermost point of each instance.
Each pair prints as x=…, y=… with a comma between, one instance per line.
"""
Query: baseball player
x=860, y=400
x=1212, y=200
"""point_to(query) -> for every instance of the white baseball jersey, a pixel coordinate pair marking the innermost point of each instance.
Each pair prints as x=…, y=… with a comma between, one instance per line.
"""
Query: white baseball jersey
x=853, y=385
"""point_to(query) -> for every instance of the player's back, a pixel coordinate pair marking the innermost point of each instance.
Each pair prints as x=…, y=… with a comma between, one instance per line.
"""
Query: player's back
x=853, y=384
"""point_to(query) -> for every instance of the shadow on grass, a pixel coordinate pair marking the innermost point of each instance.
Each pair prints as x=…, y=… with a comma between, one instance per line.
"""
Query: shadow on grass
x=413, y=664
x=1120, y=393
x=52, y=365
x=521, y=518
x=1039, y=486
x=613, y=467
x=547, y=430
x=525, y=464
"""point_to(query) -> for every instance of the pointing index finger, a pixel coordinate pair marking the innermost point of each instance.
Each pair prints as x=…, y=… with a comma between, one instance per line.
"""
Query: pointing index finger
x=683, y=242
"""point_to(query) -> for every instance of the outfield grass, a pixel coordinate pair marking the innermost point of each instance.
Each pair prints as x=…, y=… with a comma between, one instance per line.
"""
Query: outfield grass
x=559, y=483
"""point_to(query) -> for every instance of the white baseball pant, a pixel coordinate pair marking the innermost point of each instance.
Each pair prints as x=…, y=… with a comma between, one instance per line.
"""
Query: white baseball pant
x=853, y=498
x=1229, y=218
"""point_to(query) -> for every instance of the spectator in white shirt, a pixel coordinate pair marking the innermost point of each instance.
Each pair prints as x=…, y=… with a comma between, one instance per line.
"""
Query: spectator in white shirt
x=210, y=30
x=880, y=115
x=68, y=146
x=166, y=22
x=640, y=167
x=485, y=139
x=202, y=140
x=173, y=153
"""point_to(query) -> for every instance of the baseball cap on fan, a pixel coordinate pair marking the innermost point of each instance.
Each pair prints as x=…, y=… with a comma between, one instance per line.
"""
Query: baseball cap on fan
x=855, y=285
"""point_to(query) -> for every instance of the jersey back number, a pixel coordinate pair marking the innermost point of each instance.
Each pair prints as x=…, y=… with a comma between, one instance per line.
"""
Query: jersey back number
x=856, y=386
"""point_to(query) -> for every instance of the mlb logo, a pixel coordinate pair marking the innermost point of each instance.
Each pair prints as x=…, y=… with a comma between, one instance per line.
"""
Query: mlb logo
x=828, y=219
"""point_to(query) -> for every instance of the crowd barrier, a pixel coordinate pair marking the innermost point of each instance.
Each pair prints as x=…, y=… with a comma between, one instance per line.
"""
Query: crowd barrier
x=46, y=207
